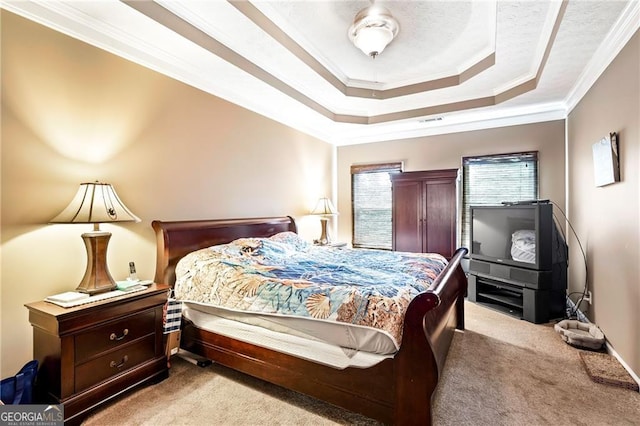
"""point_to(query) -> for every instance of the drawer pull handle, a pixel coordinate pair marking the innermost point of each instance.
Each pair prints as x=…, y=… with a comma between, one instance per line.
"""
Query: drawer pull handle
x=116, y=338
x=114, y=364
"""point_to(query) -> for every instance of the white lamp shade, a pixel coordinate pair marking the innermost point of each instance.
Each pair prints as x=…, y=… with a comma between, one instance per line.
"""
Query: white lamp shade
x=95, y=203
x=325, y=207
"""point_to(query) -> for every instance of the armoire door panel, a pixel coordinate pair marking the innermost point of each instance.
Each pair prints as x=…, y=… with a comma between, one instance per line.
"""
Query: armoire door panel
x=440, y=216
x=407, y=216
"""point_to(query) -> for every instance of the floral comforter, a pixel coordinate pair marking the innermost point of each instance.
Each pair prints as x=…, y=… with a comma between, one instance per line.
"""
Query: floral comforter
x=285, y=275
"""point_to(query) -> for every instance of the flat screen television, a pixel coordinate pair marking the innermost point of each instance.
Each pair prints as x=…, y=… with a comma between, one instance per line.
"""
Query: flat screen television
x=517, y=235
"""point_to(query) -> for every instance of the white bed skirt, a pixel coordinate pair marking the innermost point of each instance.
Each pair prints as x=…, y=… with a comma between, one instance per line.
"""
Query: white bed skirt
x=309, y=348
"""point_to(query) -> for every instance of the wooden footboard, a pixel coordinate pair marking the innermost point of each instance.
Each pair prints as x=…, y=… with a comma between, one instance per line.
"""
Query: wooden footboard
x=395, y=391
x=429, y=325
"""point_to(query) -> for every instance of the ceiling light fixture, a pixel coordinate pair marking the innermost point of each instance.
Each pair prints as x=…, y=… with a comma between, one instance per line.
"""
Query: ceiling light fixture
x=373, y=29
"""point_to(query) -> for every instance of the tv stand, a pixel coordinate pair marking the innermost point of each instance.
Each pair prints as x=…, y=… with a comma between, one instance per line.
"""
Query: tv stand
x=527, y=304
x=534, y=296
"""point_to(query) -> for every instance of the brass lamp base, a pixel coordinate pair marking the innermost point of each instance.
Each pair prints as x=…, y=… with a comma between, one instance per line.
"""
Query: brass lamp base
x=97, y=278
x=324, y=237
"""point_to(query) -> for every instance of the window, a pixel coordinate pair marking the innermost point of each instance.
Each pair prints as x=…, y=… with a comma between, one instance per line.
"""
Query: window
x=492, y=179
x=371, y=205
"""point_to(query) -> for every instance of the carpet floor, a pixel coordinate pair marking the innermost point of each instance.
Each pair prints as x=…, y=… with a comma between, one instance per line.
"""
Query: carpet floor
x=499, y=371
x=604, y=368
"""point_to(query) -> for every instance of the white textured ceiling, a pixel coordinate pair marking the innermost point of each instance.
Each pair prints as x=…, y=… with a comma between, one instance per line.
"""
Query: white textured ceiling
x=454, y=66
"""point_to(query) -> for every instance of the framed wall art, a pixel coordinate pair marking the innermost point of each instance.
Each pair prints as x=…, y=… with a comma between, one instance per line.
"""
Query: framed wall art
x=606, y=161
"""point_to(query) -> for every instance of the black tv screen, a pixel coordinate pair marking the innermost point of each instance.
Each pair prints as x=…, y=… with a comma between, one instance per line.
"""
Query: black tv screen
x=517, y=235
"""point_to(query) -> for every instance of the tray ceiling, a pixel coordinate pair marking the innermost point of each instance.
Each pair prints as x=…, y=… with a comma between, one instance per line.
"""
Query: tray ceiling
x=454, y=66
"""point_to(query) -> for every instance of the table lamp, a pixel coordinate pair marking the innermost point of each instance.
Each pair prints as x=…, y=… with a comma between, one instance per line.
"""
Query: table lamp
x=324, y=209
x=96, y=203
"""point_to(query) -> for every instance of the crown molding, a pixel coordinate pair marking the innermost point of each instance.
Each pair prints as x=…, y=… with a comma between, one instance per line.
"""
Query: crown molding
x=622, y=31
x=457, y=123
x=63, y=17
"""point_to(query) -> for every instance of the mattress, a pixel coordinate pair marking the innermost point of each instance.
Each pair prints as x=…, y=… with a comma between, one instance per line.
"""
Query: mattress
x=353, y=299
x=289, y=343
x=348, y=336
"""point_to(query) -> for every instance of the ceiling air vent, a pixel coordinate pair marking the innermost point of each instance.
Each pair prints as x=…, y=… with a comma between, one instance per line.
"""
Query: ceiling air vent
x=430, y=120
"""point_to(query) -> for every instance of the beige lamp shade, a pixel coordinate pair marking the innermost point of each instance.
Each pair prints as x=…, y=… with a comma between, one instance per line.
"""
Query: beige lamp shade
x=325, y=207
x=95, y=203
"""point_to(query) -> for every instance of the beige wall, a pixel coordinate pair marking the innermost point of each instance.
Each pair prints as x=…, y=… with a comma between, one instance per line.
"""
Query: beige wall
x=607, y=219
x=74, y=113
x=446, y=151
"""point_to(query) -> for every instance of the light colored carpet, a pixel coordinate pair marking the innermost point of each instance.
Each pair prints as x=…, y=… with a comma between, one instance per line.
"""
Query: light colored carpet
x=605, y=368
x=500, y=371
x=505, y=371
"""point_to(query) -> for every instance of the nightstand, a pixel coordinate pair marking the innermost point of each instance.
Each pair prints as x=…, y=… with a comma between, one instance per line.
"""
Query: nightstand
x=92, y=353
x=337, y=245
x=333, y=245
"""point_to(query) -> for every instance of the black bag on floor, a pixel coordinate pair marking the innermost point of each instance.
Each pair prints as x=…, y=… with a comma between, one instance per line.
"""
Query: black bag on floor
x=19, y=388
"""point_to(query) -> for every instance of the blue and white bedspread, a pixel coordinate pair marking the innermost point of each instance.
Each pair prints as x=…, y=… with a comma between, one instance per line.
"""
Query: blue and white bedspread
x=286, y=276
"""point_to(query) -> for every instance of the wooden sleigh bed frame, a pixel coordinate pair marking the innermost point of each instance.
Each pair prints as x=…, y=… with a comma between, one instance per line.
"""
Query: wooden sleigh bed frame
x=398, y=390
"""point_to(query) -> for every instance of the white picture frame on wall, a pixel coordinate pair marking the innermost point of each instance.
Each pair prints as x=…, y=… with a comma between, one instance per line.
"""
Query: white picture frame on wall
x=606, y=164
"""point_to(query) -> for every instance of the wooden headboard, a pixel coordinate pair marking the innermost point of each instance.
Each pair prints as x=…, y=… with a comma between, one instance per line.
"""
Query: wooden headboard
x=176, y=239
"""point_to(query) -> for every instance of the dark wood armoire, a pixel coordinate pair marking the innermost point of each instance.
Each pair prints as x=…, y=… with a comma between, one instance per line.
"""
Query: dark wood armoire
x=424, y=211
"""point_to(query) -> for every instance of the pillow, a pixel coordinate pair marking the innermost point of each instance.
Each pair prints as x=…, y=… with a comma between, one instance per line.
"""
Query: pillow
x=291, y=239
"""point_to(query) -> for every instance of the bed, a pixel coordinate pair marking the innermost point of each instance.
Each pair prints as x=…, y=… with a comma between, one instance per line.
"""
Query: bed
x=397, y=389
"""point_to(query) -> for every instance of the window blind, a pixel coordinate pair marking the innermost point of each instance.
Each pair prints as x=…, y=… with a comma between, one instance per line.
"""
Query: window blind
x=492, y=179
x=371, y=205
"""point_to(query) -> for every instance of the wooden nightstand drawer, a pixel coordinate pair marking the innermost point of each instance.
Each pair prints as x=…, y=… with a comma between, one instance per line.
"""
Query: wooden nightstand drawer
x=111, y=335
x=114, y=363
x=86, y=357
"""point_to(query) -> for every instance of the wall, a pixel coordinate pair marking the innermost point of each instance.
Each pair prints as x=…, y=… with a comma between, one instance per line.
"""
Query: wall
x=446, y=151
x=607, y=219
x=73, y=113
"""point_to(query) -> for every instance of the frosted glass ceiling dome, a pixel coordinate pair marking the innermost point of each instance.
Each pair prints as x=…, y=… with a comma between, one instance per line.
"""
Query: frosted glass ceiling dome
x=373, y=29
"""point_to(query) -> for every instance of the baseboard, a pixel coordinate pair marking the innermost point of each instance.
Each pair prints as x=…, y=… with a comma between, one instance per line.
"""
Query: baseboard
x=583, y=318
x=615, y=354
